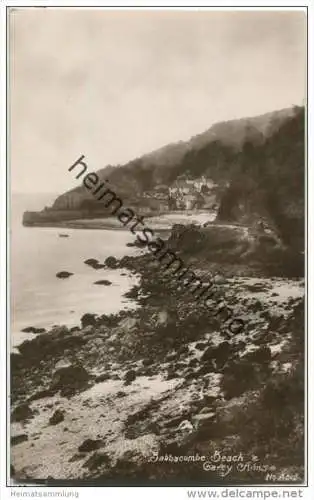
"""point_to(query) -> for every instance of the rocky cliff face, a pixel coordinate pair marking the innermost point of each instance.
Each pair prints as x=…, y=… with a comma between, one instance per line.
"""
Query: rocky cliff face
x=69, y=201
x=268, y=182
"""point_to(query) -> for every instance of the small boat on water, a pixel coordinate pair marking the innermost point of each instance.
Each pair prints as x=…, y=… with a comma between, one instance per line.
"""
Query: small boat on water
x=63, y=235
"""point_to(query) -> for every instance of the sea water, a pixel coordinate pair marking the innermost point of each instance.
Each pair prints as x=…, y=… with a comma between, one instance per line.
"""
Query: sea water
x=37, y=297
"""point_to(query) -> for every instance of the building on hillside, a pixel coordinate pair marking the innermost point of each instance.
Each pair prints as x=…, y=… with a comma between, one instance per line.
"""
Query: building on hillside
x=191, y=186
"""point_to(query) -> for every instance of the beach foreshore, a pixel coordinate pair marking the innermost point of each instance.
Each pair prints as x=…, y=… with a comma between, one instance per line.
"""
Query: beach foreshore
x=160, y=222
x=114, y=396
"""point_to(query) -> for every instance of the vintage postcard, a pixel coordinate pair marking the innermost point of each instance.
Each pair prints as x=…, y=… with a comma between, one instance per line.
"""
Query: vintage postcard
x=157, y=198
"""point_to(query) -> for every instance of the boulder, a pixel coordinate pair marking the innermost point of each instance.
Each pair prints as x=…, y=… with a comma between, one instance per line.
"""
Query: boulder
x=32, y=329
x=22, y=413
x=201, y=345
x=202, y=418
x=185, y=426
x=20, y=438
x=88, y=319
x=90, y=445
x=64, y=274
x=220, y=353
x=97, y=460
x=261, y=355
x=70, y=377
x=94, y=263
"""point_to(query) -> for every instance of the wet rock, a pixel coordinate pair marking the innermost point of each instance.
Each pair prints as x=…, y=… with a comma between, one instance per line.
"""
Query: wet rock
x=97, y=460
x=90, y=445
x=44, y=393
x=22, y=413
x=88, y=319
x=64, y=274
x=76, y=457
x=91, y=262
x=36, y=351
x=219, y=279
x=171, y=356
x=20, y=438
x=163, y=318
x=264, y=339
x=88, y=330
x=112, y=262
x=57, y=417
x=103, y=377
x=94, y=263
x=130, y=376
x=201, y=345
x=103, y=282
x=133, y=293
x=261, y=355
x=32, y=329
x=120, y=394
x=220, y=353
x=70, y=378
x=185, y=426
x=202, y=418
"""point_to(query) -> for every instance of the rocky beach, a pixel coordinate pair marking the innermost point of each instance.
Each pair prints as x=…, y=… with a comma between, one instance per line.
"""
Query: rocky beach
x=167, y=391
x=164, y=393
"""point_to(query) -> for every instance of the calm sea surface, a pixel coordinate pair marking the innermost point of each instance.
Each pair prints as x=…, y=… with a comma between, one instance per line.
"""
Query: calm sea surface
x=38, y=297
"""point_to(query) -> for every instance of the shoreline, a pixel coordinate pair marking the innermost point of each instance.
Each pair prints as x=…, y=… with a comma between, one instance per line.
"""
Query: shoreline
x=113, y=223
x=170, y=379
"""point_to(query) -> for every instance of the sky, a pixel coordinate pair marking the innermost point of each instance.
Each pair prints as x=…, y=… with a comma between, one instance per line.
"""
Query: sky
x=114, y=85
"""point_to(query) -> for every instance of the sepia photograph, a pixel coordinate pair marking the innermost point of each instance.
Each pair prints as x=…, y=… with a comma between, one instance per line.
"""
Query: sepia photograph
x=157, y=207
